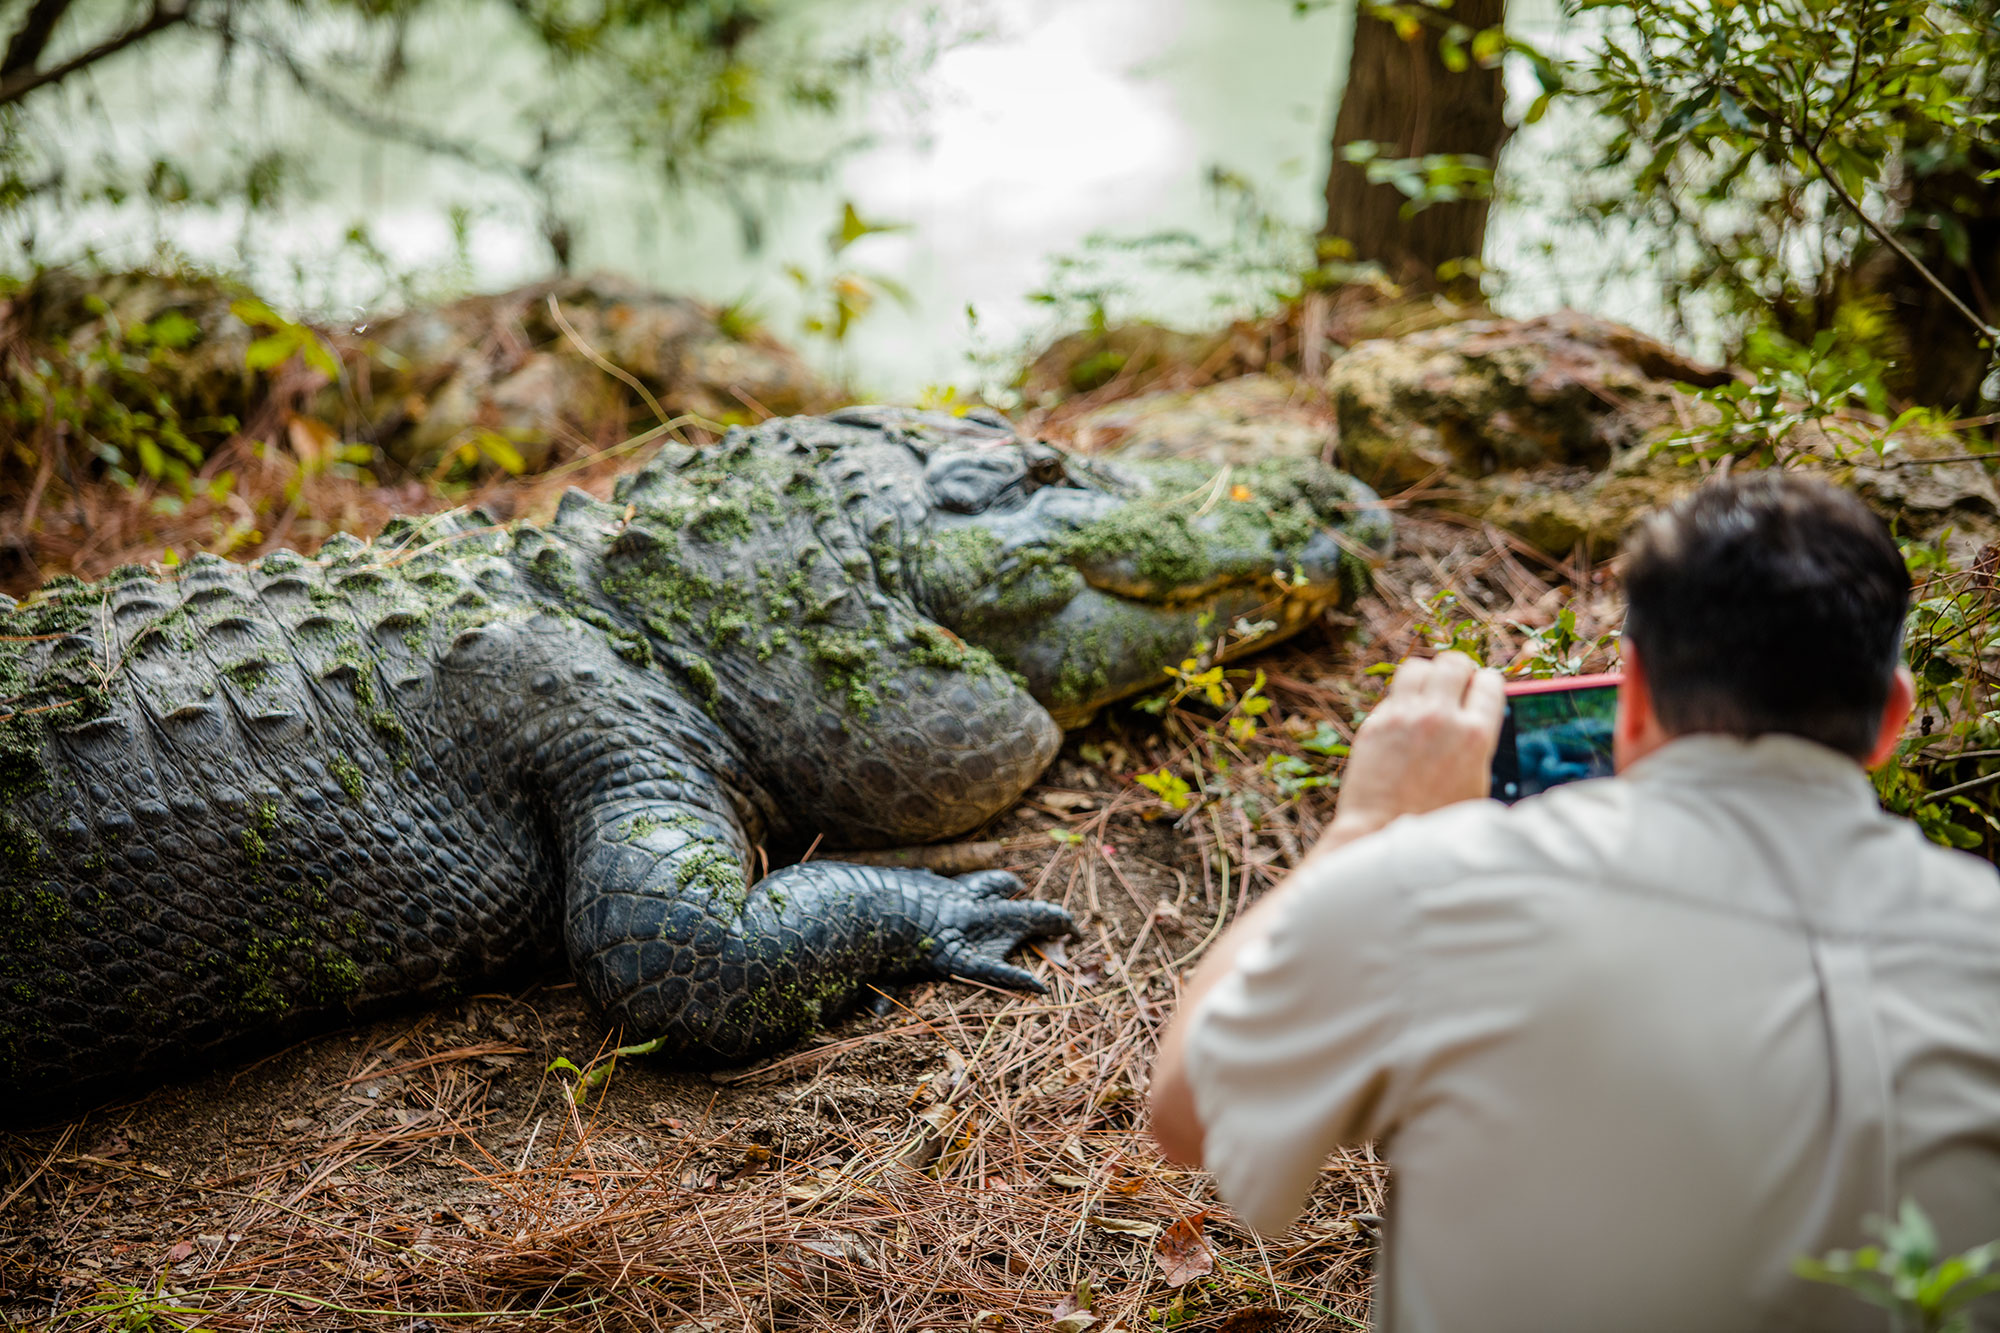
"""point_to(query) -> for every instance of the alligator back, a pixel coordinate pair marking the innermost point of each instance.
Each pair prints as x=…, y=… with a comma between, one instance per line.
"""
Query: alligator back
x=252, y=798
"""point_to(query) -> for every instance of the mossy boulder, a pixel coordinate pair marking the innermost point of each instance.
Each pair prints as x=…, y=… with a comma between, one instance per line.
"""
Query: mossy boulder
x=438, y=379
x=1547, y=428
x=1237, y=421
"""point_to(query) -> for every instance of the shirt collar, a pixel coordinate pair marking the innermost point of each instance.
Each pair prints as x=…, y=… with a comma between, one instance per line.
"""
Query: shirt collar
x=1771, y=758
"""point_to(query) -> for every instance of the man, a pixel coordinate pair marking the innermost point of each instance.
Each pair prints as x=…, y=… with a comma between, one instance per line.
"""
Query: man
x=1632, y=1046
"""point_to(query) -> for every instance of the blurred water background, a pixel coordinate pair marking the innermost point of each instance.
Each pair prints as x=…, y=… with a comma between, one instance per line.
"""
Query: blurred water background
x=1002, y=136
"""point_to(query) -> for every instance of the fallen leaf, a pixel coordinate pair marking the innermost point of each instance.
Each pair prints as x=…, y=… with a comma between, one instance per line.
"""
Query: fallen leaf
x=1077, y=1301
x=850, y=1246
x=1069, y=1182
x=1074, y=1322
x=180, y=1251
x=1184, y=1253
x=1123, y=1226
x=929, y=1143
x=1068, y=802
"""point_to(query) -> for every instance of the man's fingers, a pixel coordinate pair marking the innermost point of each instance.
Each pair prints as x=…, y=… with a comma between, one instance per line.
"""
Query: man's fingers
x=1412, y=676
x=1486, y=701
x=1449, y=676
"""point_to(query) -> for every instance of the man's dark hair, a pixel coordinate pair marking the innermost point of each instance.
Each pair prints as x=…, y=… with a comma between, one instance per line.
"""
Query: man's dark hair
x=1768, y=603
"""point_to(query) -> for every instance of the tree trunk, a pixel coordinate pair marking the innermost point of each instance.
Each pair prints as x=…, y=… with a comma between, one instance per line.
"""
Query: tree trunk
x=1401, y=95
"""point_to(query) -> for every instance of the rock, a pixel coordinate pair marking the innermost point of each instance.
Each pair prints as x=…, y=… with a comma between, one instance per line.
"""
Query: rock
x=1501, y=395
x=1547, y=428
x=421, y=384
x=1236, y=421
x=433, y=380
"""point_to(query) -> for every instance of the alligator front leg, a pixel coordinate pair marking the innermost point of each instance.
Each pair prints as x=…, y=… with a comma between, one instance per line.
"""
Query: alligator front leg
x=668, y=935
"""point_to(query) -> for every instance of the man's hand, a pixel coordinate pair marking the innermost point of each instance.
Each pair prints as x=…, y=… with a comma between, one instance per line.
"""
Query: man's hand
x=1429, y=743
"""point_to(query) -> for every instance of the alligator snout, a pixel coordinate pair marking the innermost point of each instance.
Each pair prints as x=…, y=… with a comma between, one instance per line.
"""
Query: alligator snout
x=1084, y=588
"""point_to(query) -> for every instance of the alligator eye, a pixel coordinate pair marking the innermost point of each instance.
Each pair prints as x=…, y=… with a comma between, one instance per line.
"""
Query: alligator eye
x=1047, y=469
x=972, y=483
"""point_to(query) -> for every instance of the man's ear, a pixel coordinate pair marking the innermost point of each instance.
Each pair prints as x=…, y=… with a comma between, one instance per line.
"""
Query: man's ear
x=1635, y=696
x=1895, y=714
x=1636, y=732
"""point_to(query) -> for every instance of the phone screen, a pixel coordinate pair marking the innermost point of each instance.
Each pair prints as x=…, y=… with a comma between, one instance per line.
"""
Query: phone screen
x=1555, y=732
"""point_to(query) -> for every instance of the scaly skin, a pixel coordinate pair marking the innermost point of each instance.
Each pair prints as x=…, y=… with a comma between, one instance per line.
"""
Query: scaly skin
x=254, y=800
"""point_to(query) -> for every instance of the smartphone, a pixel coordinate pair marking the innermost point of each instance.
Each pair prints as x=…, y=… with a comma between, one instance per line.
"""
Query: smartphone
x=1556, y=731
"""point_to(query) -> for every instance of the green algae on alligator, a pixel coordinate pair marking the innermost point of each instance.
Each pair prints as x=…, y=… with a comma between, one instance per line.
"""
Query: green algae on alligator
x=257, y=799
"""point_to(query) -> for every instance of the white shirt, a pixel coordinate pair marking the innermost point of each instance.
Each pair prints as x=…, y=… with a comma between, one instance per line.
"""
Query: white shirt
x=1630, y=1047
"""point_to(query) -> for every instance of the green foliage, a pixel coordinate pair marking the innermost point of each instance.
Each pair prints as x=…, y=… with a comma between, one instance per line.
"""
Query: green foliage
x=108, y=392
x=1260, y=262
x=123, y=1309
x=1905, y=1275
x=1942, y=777
x=1220, y=720
x=841, y=296
x=1434, y=178
x=283, y=340
x=1771, y=144
x=1444, y=630
x=1171, y=788
x=1805, y=404
x=1557, y=649
x=598, y=1072
x=684, y=91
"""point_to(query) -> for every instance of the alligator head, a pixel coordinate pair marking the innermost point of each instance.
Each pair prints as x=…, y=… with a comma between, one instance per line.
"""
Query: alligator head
x=1089, y=575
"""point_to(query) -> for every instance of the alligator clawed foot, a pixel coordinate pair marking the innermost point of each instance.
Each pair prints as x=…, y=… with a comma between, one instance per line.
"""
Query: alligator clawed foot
x=978, y=930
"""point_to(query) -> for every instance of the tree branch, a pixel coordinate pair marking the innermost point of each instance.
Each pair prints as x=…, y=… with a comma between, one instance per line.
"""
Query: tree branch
x=380, y=124
x=165, y=14
x=1887, y=238
x=25, y=48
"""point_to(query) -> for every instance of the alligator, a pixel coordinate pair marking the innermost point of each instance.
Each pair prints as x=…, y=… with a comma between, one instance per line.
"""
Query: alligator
x=242, y=801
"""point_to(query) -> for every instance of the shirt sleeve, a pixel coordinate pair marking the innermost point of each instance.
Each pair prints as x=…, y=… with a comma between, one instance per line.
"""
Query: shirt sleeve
x=1299, y=1050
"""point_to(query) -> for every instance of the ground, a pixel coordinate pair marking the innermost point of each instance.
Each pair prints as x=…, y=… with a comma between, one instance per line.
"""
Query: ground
x=966, y=1159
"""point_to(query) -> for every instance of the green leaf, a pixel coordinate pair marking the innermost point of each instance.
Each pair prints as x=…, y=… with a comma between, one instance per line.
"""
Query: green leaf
x=317, y=354
x=270, y=351
x=255, y=313
x=174, y=330
x=853, y=227
x=502, y=452
x=1732, y=112
x=1684, y=113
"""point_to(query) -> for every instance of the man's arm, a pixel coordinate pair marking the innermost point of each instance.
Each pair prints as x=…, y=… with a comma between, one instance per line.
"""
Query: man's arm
x=1428, y=744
